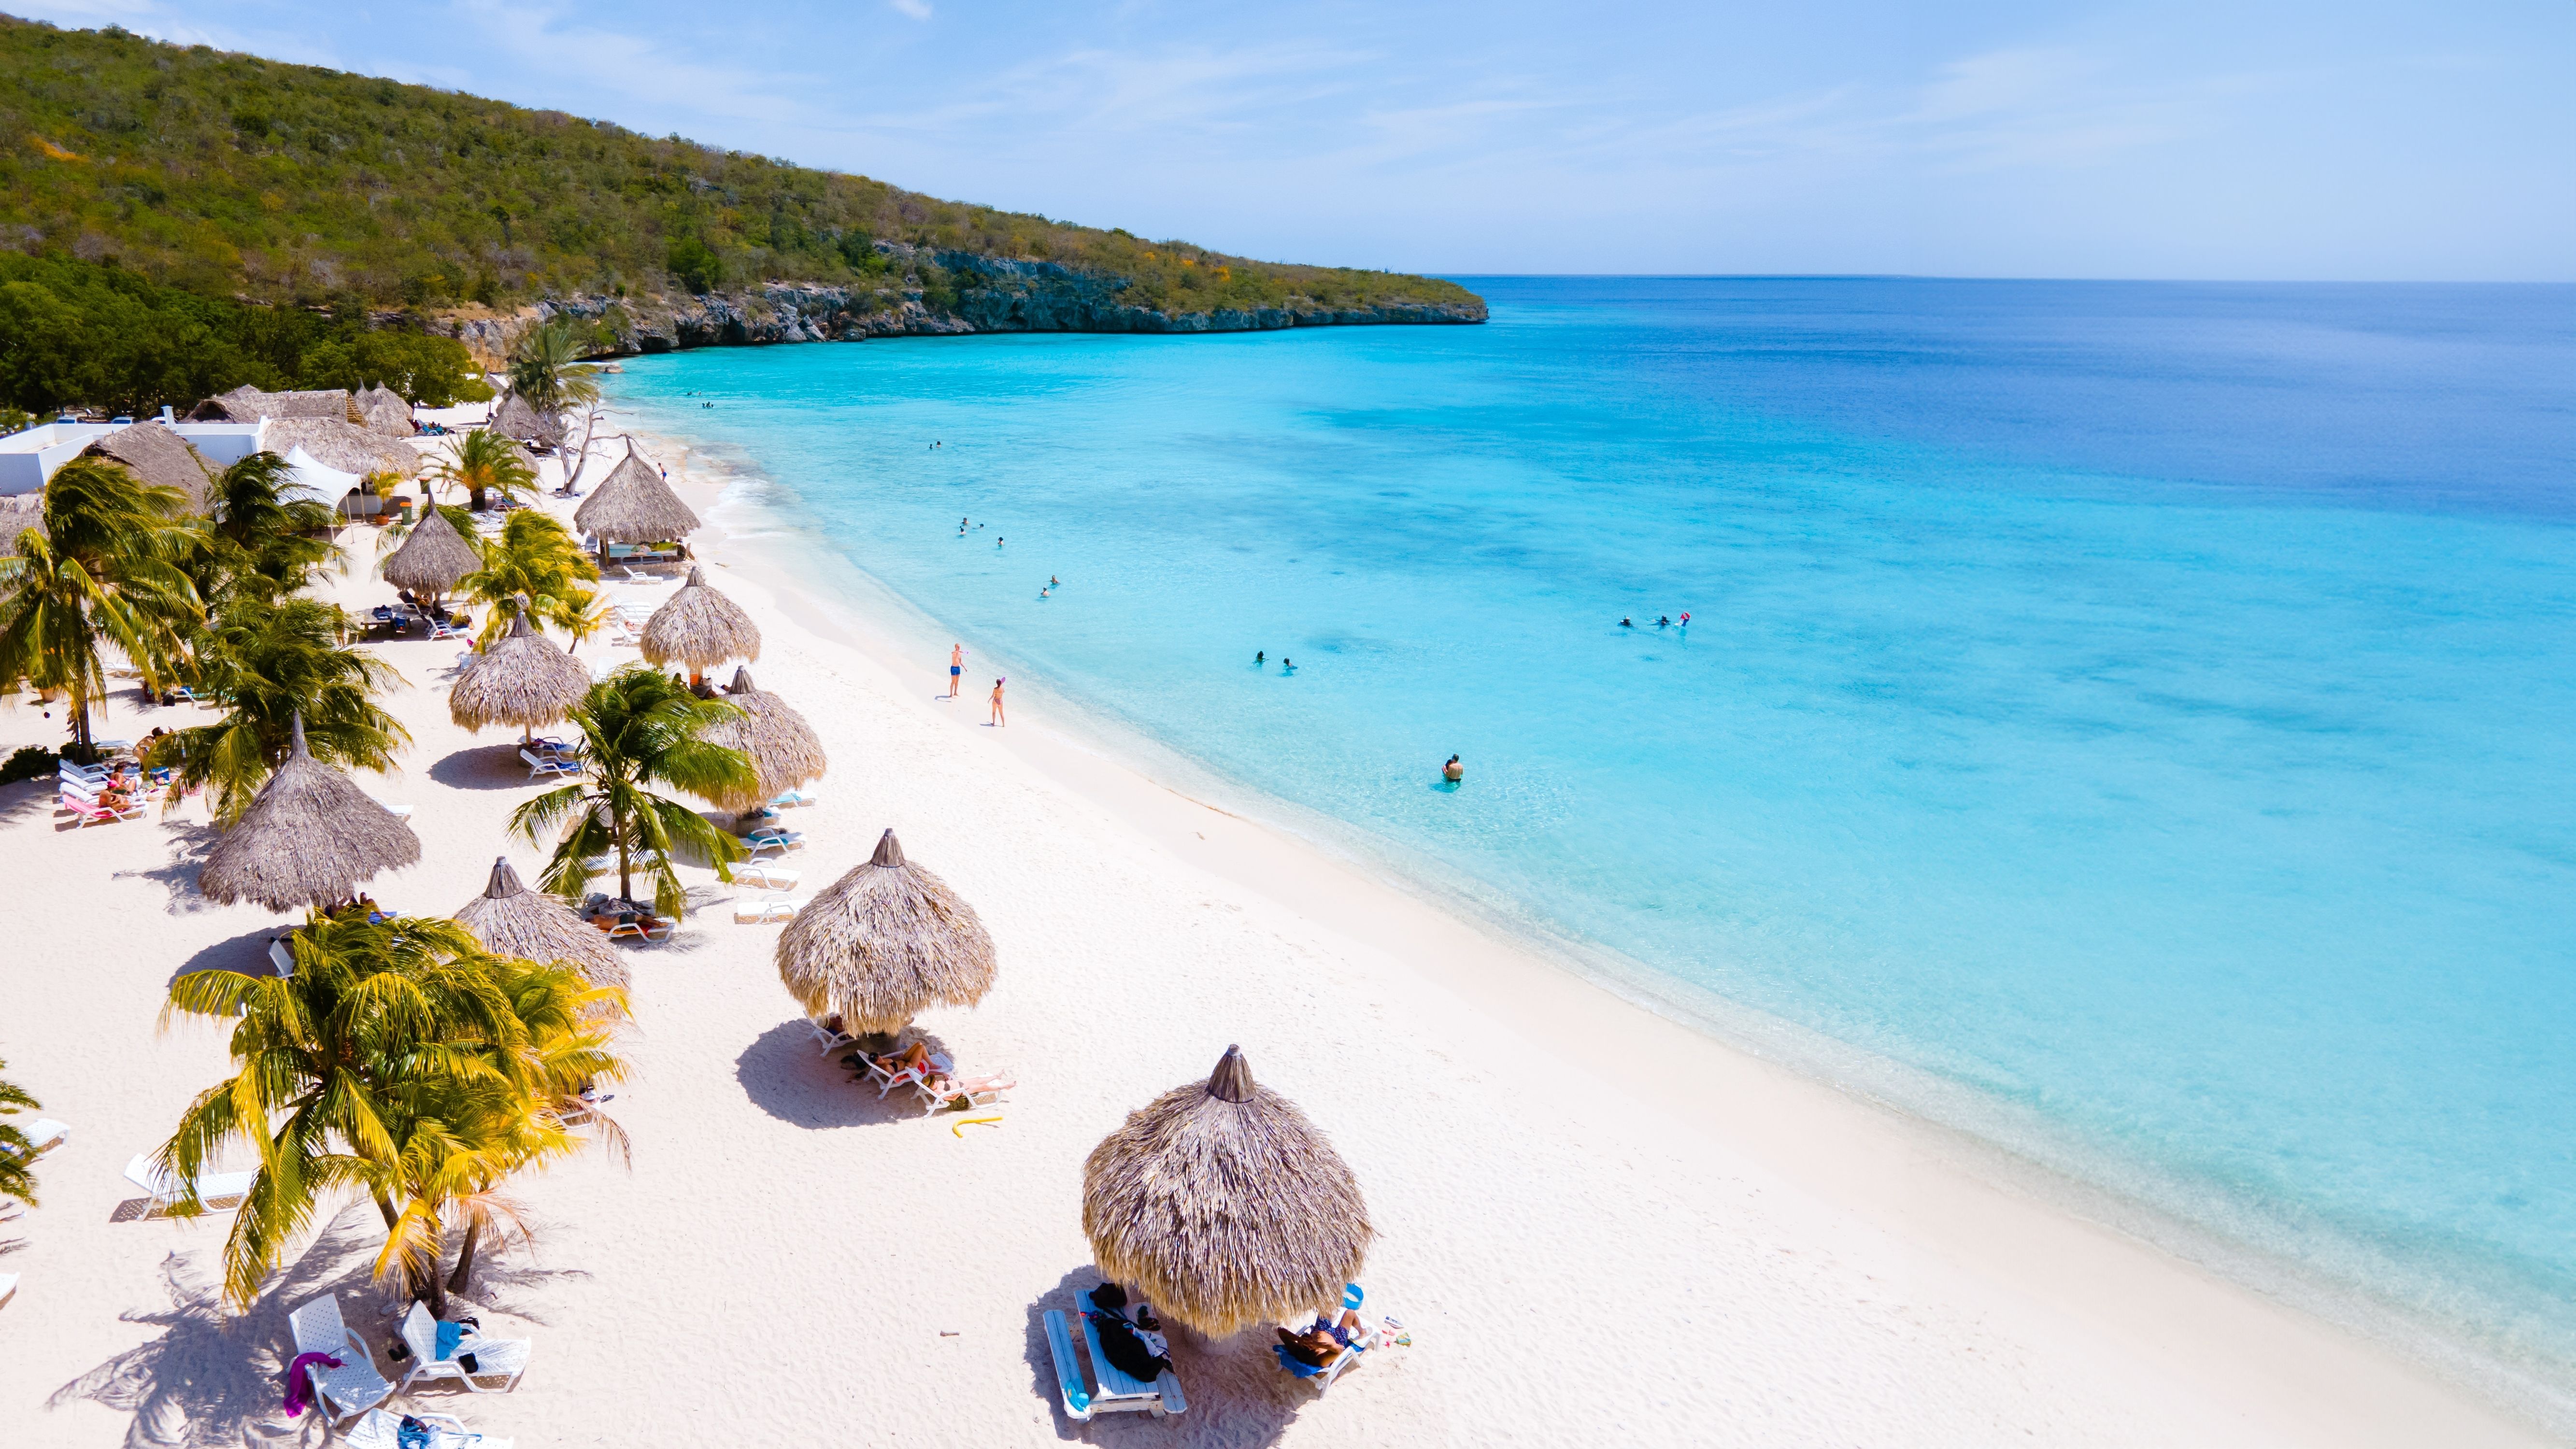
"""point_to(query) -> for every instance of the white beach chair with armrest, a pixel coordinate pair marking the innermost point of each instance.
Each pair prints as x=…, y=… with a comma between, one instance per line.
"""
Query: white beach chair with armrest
x=382, y=1429
x=222, y=1190
x=766, y=874
x=833, y=1038
x=44, y=1135
x=353, y=1387
x=797, y=797
x=541, y=766
x=8, y=1288
x=494, y=1358
x=781, y=841
x=763, y=910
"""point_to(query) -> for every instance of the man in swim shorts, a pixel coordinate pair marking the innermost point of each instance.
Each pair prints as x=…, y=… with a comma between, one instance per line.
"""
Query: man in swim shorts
x=956, y=667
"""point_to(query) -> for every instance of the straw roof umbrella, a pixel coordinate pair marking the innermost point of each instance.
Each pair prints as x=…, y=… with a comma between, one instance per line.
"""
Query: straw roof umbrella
x=516, y=418
x=633, y=505
x=782, y=747
x=512, y=920
x=520, y=679
x=346, y=446
x=1225, y=1205
x=309, y=837
x=433, y=558
x=700, y=628
x=884, y=943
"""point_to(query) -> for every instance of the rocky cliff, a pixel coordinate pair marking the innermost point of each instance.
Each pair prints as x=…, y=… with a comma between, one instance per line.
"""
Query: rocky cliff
x=971, y=293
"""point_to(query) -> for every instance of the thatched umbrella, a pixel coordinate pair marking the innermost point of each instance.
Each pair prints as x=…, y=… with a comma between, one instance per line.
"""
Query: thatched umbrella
x=519, y=679
x=516, y=418
x=385, y=410
x=633, y=505
x=512, y=920
x=884, y=943
x=309, y=837
x=1225, y=1205
x=342, y=445
x=431, y=561
x=783, y=749
x=700, y=628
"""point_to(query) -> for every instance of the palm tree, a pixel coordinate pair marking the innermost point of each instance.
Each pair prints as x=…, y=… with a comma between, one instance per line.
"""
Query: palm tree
x=639, y=728
x=104, y=566
x=545, y=370
x=273, y=660
x=391, y=1054
x=535, y=556
x=17, y=1154
x=485, y=462
x=259, y=537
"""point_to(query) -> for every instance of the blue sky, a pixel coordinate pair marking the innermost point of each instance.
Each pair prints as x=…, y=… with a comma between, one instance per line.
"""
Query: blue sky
x=2175, y=139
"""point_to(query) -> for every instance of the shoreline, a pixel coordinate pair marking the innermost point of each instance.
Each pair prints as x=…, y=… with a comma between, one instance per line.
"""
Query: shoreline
x=2057, y=1241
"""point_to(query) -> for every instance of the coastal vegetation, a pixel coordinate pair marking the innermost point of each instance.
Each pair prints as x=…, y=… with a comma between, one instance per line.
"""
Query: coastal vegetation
x=229, y=176
x=98, y=334
x=640, y=728
x=17, y=1154
x=534, y=557
x=399, y=1060
x=272, y=662
x=483, y=463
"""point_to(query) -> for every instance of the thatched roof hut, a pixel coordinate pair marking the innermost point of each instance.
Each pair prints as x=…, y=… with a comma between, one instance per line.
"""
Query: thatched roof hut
x=513, y=416
x=700, y=628
x=18, y=513
x=512, y=920
x=634, y=505
x=343, y=445
x=309, y=837
x=782, y=747
x=159, y=456
x=519, y=679
x=1225, y=1205
x=884, y=943
x=247, y=404
x=385, y=411
x=433, y=558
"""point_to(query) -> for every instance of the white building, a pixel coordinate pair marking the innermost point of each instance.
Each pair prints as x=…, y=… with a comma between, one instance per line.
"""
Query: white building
x=27, y=459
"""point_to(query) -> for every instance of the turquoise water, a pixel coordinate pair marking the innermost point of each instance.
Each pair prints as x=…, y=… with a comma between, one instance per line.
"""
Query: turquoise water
x=2145, y=707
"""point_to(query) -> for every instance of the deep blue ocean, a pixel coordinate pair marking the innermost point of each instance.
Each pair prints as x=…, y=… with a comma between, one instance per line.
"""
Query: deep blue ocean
x=2147, y=710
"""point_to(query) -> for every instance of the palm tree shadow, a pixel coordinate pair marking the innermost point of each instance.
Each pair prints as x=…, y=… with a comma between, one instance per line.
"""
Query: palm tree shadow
x=189, y=841
x=487, y=767
x=211, y=1378
x=1238, y=1394
x=786, y=1073
x=25, y=801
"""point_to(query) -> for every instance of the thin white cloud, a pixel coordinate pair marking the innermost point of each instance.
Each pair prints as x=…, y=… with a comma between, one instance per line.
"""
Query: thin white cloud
x=914, y=8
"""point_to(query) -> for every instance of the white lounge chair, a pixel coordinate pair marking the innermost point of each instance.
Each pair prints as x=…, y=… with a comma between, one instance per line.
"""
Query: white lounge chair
x=1118, y=1393
x=45, y=1134
x=282, y=956
x=382, y=1429
x=832, y=1038
x=763, y=911
x=494, y=1358
x=797, y=797
x=91, y=812
x=766, y=874
x=168, y=1189
x=354, y=1386
x=8, y=1288
x=781, y=841
x=540, y=766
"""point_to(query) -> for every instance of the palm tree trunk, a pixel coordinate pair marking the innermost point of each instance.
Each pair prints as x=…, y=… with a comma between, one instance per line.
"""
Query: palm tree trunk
x=625, y=886
x=465, y=1256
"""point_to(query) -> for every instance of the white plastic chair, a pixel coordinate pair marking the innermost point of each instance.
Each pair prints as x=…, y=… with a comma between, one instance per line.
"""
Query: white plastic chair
x=168, y=1189
x=766, y=874
x=382, y=1429
x=353, y=1387
x=502, y=1358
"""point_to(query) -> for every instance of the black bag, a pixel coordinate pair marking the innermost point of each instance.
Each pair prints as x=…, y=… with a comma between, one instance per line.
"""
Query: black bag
x=466, y=1362
x=1125, y=1351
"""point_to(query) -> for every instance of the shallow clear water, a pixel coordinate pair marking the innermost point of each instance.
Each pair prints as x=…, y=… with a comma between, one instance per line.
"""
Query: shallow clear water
x=2149, y=706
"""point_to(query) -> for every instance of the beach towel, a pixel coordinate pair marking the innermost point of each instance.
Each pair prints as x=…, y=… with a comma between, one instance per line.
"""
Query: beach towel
x=1293, y=1364
x=299, y=1384
x=449, y=1335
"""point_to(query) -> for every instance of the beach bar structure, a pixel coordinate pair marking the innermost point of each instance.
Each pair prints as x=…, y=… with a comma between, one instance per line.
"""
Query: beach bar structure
x=1225, y=1206
x=632, y=506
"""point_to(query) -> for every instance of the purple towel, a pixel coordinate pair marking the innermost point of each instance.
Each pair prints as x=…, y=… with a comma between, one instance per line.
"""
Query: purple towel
x=299, y=1384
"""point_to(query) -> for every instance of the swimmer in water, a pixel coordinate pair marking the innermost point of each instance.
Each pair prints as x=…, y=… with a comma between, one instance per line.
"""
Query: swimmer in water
x=1042, y=593
x=1625, y=624
x=1053, y=582
x=997, y=543
x=1260, y=656
x=1685, y=618
x=1453, y=772
x=1287, y=665
x=1663, y=621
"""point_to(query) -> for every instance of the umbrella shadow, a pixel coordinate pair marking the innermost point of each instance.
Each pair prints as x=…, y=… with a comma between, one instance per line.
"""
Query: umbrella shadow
x=212, y=1378
x=245, y=954
x=1238, y=1394
x=786, y=1074
x=488, y=767
x=189, y=841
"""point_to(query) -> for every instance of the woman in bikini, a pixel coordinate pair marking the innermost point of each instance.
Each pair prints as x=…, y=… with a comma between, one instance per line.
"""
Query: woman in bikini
x=997, y=702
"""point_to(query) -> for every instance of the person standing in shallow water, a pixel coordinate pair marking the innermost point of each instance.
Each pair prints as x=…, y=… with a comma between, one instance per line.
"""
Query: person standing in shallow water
x=1453, y=772
x=997, y=703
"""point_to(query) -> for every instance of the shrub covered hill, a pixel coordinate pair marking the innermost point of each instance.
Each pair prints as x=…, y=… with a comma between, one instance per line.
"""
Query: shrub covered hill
x=225, y=175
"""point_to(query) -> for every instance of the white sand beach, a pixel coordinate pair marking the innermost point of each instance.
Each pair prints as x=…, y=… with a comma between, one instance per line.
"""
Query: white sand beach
x=1594, y=1222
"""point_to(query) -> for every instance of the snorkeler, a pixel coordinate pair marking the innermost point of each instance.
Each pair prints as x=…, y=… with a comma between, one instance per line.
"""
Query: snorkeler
x=1626, y=624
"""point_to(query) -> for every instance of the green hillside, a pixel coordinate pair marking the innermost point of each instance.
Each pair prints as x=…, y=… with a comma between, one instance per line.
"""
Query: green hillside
x=230, y=175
